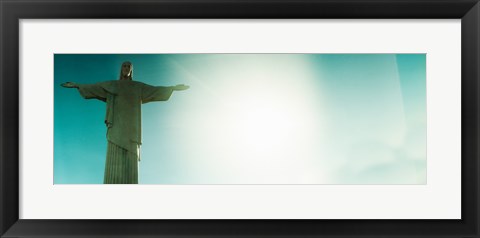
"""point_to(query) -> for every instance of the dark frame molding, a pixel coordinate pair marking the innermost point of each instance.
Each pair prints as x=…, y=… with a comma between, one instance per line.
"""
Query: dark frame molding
x=11, y=11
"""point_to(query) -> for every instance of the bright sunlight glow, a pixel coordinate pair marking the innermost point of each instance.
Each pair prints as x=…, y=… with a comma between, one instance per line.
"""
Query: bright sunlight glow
x=266, y=119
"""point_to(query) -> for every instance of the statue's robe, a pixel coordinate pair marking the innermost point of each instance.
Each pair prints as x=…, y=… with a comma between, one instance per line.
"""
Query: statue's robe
x=124, y=123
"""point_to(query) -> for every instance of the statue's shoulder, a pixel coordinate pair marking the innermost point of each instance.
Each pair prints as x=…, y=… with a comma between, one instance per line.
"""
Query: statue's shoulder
x=112, y=86
x=107, y=83
x=139, y=84
x=109, y=86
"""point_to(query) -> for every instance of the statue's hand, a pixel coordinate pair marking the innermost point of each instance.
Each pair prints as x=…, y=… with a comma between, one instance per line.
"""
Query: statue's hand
x=180, y=87
x=69, y=85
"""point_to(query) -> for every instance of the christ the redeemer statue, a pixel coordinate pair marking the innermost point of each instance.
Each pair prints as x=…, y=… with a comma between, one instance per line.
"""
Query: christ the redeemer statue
x=123, y=120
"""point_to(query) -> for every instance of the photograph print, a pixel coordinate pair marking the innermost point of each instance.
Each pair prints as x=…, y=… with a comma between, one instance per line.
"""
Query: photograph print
x=240, y=119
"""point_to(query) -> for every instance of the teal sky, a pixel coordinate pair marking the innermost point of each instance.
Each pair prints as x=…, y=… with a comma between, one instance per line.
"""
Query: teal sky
x=254, y=118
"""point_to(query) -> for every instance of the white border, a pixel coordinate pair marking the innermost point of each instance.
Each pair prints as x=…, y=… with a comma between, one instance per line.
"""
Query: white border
x=439, y=199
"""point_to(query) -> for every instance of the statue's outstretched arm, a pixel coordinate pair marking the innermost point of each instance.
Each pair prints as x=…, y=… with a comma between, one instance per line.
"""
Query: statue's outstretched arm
x=159, y=93
x=180, y=87
x=69, y=85
x=89, y=91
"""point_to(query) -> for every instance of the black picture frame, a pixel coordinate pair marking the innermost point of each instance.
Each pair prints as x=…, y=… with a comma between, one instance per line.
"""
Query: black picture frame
x=12, y=11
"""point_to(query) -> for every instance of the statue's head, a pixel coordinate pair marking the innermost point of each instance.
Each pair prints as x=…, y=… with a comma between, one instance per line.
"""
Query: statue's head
x=126, y=72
